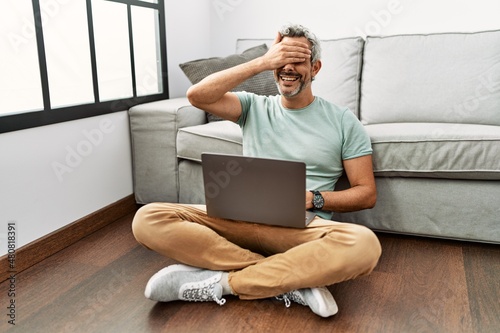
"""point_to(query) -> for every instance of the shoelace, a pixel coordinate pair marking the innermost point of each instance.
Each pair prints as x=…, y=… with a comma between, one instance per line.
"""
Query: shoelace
x=291, y=296
x=202, y=294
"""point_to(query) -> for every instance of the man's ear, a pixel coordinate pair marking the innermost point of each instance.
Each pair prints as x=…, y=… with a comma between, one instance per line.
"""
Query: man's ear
x=316, y=67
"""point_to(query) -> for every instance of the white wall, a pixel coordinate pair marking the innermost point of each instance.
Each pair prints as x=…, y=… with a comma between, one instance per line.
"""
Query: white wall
x=188, y=38
x=232, y=19
x=53, y=175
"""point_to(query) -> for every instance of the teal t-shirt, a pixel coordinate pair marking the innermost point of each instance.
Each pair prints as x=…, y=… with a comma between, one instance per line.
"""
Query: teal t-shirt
x=322, y=135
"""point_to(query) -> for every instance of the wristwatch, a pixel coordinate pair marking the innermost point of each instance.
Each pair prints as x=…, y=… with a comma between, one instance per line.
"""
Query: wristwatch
x=318, y=200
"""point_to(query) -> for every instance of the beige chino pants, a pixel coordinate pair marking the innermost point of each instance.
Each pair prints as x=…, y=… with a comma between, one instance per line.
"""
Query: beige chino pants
x=263, y=261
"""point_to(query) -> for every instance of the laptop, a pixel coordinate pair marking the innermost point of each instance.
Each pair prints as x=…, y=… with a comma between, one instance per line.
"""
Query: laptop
x=258, y=190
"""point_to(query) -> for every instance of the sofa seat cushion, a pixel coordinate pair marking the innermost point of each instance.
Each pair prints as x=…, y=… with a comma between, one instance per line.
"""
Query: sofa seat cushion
x=436, y=150
x=216, y=137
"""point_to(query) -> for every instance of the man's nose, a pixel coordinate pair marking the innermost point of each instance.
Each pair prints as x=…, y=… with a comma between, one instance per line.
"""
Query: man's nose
x=289, y=68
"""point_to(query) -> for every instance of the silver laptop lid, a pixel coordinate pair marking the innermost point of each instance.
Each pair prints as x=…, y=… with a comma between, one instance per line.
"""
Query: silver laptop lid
x=256, y=190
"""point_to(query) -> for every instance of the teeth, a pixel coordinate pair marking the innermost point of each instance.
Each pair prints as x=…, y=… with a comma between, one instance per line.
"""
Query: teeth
x=287, y=78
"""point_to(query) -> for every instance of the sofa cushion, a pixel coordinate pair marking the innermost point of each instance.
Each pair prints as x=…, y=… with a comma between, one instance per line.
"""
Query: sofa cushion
x=447, y=77
x=339, y=77
x=216, y=137
x=436, y=150
x=261, y=84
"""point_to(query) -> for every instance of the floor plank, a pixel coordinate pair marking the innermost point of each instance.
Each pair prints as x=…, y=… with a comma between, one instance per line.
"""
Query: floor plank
x=482, y=268
x=420, y=285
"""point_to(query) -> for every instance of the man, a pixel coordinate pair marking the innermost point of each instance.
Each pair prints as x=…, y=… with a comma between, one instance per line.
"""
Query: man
x=255, y=261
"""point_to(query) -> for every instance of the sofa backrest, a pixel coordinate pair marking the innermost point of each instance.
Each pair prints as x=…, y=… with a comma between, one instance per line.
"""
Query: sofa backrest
x=339, y=78
x=447, y=77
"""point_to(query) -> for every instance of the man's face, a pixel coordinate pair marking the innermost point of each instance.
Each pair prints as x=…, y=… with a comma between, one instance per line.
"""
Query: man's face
x=294, y=77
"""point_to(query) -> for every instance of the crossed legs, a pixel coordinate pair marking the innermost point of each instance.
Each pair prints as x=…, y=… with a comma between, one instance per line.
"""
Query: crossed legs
x=262, y=261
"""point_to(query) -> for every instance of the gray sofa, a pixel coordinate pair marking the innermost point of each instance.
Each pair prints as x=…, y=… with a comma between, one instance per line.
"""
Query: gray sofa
x=430, y=103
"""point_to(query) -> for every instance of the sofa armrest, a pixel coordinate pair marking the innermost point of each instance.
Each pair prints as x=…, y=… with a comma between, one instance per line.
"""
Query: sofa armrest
x=153, y=128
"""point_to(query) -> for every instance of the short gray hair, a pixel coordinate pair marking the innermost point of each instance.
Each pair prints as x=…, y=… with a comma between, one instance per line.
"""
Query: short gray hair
x=297, y=30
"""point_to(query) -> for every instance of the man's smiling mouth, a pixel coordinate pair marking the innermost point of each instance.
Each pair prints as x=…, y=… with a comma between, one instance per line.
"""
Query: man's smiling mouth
x=289, y=77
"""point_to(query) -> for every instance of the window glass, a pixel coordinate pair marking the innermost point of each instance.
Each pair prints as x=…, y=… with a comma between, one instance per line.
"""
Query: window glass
x=20, y=84
x=112, y=50
x=67, y=50
x=145, y=28
x=93, y=57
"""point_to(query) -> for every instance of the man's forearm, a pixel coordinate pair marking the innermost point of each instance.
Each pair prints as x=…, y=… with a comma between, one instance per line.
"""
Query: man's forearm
x=349, y=200
x=213, y=87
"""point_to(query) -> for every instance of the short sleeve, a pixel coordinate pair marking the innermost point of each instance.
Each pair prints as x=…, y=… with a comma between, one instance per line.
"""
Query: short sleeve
x=355, y=141
x=246, y=102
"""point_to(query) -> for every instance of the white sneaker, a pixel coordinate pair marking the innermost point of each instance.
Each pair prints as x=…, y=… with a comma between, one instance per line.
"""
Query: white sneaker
x=185, y=283
x=320, y=300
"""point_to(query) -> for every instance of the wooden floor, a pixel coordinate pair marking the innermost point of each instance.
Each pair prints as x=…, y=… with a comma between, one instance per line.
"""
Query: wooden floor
x=96, y=285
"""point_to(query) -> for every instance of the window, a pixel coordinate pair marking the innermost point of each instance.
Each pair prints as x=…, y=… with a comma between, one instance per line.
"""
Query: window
x=20, y=85
x=67, y=53
x=64, y=60
x=112, y=49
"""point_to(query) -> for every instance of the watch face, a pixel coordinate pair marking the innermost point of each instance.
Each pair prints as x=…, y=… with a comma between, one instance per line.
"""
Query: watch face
x=318, y=201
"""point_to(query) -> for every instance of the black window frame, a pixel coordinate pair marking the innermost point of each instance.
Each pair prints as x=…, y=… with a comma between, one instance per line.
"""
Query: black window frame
x=48, y=116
